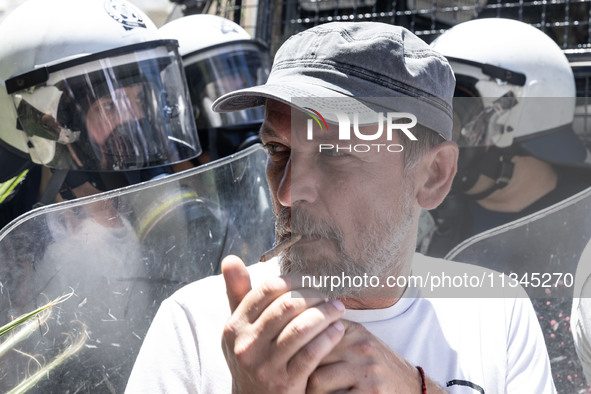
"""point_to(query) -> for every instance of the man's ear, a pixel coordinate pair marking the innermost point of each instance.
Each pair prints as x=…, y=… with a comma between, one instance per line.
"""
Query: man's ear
x=437, y=170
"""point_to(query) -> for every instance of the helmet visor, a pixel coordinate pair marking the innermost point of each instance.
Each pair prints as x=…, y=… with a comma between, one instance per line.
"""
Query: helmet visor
x=126, y=109
x=481, y=125
x=221, y=69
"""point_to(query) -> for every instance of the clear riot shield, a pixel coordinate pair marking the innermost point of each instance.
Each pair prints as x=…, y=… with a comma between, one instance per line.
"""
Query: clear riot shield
x=541, y=252
x=120, y=253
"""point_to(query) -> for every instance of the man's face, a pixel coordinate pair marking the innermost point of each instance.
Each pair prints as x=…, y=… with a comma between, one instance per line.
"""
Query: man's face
x=108, y=112
x=120, y=130
x=355, y=211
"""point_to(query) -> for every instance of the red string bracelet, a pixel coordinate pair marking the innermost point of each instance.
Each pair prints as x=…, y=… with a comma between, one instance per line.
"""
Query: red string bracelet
x=423, y=385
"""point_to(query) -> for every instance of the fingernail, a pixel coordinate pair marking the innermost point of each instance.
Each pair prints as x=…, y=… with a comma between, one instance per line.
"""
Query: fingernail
x=338, y=325
x=338, y=304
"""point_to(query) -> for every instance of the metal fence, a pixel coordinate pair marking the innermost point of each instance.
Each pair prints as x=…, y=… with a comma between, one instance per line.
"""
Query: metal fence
x=566, y=21
x=273, y=21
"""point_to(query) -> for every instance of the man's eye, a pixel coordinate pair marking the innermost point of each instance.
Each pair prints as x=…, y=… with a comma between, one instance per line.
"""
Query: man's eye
x=274, y=149
x=141, y=98
x=107, y=105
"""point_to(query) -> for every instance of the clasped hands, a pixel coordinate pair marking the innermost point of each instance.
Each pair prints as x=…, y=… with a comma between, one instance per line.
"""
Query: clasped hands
x=277, y=342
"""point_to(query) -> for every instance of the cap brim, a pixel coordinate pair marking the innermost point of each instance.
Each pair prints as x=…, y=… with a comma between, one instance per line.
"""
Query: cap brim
x=256, y=96
x=559, y=147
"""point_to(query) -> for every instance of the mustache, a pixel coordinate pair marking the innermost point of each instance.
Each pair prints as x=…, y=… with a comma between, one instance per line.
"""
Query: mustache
x=298, y=221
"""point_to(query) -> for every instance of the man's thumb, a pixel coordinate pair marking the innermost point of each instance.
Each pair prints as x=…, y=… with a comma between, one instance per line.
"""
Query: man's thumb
x=237, y=280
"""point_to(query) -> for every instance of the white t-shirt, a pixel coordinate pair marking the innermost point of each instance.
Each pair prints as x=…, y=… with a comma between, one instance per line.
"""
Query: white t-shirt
x=470, y=345
x=581, y=313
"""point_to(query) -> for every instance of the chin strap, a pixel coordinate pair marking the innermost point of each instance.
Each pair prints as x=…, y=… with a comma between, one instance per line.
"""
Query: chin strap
x=501, y=172
x=53, y=187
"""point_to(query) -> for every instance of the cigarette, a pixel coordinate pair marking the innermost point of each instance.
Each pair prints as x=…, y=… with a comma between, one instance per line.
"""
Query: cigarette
x=273, y=252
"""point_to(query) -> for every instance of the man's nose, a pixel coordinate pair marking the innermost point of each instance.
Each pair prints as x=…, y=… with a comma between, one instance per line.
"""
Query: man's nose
x=299, y=183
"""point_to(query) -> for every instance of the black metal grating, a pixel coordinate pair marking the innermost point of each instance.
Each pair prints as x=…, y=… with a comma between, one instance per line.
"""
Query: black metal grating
x=566, y=21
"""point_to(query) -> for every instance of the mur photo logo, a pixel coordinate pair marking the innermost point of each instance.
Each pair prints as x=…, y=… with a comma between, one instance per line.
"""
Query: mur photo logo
x=370, y=128
x=317, y=117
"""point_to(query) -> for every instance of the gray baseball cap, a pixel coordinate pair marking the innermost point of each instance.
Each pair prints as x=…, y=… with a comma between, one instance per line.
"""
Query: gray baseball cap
x=381, y=67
